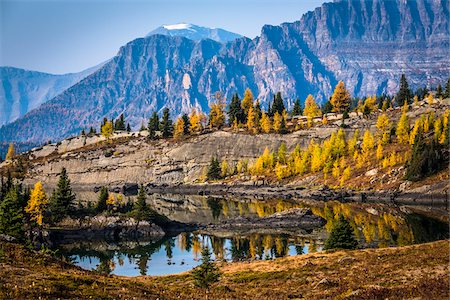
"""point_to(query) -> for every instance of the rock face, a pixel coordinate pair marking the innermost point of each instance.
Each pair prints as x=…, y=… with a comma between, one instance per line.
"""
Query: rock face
x=164, y=161
x=366, y=43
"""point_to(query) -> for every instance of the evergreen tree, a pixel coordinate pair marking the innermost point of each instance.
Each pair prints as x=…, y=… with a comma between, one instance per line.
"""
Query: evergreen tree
x=11, y=215
x=166, y=124
x=142, y=211
x=404, y=94
x=153, y=125
x=214, y=169
x=341, y=236
x=327, y=108
x=297, y=110
x=439, y=93
x=447, y=89
x=120, y=123
x=187, y=124
x=128, y=127
x=235, y=111
x=340, y=98
x=62, y=200
x=278, y=105
x=92, y=131
x=102, y=198
x=207, y=272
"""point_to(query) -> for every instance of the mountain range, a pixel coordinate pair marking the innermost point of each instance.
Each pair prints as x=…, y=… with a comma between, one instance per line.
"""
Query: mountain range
x=196, y=33
x=22, y=90
x=366, y=43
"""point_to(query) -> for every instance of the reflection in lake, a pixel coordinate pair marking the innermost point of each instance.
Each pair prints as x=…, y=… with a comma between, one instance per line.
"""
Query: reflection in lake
x=180, y=253
x=375, y=225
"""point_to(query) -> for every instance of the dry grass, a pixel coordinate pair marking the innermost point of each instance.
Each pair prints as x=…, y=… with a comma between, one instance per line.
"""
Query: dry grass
x=419, y=271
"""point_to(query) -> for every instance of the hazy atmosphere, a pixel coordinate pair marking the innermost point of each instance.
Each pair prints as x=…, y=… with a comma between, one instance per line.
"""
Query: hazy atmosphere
x=73, y=35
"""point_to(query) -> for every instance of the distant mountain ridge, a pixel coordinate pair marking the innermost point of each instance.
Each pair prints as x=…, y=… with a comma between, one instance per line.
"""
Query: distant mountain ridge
x=366, y=43
x=22, y=90
x=195, y=32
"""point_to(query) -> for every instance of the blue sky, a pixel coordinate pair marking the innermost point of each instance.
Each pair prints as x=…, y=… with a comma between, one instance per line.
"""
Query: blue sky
x=62, y=36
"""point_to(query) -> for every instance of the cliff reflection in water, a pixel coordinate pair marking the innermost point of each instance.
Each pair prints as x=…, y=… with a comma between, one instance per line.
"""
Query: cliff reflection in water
x=374, y=226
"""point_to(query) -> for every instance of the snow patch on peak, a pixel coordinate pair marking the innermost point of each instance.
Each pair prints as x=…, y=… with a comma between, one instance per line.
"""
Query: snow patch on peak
x=179, y=26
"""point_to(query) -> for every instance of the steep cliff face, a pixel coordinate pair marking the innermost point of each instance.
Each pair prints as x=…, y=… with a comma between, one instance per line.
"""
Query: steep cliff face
x=370, y=43
x=366, y=43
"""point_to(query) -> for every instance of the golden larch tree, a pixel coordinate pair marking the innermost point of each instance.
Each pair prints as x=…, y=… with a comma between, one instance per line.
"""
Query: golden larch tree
x=11, y=152
x=340, y=98
x=311, y=108
x=179, y=128
x=265, y=123
x=247, y=102
x=37, y=204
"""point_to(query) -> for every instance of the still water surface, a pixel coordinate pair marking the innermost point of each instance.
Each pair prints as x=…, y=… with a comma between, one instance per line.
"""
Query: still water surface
x=374, y=226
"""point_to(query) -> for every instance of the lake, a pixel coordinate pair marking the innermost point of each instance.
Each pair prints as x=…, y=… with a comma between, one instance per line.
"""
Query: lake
x=375, y=225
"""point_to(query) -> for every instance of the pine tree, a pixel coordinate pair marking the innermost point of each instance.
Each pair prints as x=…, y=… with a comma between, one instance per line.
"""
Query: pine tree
x=340, y=98
x=297, y=110
x=265, y=123
x=153, y=125
x=439, y=93
x=92, y=131
x=11, y=215
x=311, y=108
x=62, y=200
x=327, y=107
x=341, y=236
x=37, y=205
x=207, y=272
x=11, y=152
x=447, y=89
x=128, y=127
x=404, y=94
x=235, y=111
x=179, y=128
x=214, y=169
x=102, y=198
x=278, y=105
x=120, y=123
x=166, y=124
x=187, y=124
x=141, y=211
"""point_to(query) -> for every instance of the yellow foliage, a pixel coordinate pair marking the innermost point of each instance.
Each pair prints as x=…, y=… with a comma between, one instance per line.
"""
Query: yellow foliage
x=416, y=100
x=37, y=204
x=224, y=168
x=311, y=108
x=111, y=200
x=11, y=152
x=340, y=98
x=415, y=131
x=380, y=150
x=277, y=122
x=367, y=143
x=345, y=175
x=247, y=102
x=265, y=123
x=370, y=103
x=384, y=125
x=430, y=99
x=195, y=120
x=251, y=120
x=352, y=143
x=324, y=120
x=107, y=130
x=179, y=128
x=403, y=129
x=316, y=158
x=216, y=114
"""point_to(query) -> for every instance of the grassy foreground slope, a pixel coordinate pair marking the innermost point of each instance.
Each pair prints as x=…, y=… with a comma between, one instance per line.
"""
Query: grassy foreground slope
x=419, y=272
